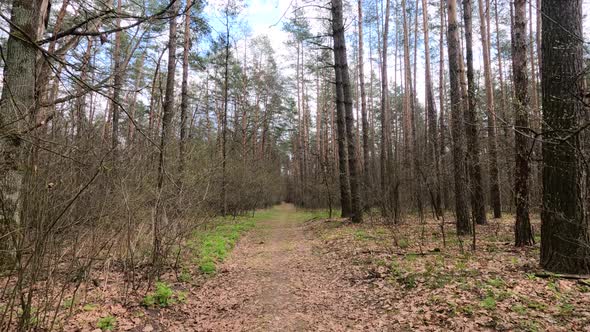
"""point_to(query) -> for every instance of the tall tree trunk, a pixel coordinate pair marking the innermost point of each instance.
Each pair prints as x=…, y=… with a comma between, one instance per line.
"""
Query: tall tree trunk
x=432, y=146
x=168, y=112
x=224, y=118
x=342, y=118
x=18, y=107
x=523, y=231
x=407, y=115
x=184, y=89
x=453, y=47
x=503, y=109
x=565, y=238
x=385, y=145
x=365, y=123
x=444, y=181
x=341, y=63
x=536, y=111
x=478, y=210
x=117, y=82
x=491, y=114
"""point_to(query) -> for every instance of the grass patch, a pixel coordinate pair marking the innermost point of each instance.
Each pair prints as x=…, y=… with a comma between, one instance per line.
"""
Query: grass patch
x=163, y=296
x=519, y=308
x=212, y=246
x=489, y=303
x=362, y=235
x=496, y=282
x=403, y=243
x=566, y=309
x=89, y=307
x=107, y=323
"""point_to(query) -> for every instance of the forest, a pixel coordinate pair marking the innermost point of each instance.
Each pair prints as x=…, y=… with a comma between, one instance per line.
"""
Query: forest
x=416, y=165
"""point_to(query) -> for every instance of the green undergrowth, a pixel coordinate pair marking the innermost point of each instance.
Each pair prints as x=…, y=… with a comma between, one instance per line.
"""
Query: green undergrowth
x=163, y=296
x=212, y=245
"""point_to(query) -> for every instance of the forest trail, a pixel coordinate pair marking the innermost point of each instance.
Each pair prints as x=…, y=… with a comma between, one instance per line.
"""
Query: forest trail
x=276, y=281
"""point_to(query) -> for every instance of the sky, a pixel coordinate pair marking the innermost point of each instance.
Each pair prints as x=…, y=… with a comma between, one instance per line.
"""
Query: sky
x=263, y=17
x=266, y=17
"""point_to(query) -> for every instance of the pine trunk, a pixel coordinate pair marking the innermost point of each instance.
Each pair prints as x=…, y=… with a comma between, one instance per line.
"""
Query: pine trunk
x=385, y=117
x=491, y=114
x=453, y=47
x=565, y=237
x=478, y=209
x=365, y=123
x=168, y=111
x=523, y=230
x=184, y=89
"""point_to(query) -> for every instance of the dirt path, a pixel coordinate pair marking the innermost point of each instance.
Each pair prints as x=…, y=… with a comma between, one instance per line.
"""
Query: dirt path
x=276, y=281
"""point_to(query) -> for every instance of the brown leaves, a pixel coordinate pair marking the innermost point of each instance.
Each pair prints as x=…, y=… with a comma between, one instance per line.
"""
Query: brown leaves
x=290, y=275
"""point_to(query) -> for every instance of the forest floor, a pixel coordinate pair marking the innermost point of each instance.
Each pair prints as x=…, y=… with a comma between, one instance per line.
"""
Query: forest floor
x=294, y=272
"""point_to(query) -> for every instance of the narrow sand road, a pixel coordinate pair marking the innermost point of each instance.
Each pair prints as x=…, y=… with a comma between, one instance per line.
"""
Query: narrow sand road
x=275, y=280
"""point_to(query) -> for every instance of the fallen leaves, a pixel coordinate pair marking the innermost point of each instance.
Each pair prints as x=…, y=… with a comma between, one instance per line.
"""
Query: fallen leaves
x=290, y=274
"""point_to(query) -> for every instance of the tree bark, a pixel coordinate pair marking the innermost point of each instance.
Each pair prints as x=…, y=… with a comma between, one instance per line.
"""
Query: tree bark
x=365, y=123
x=117, y=82
x=491, y=114
x=523, y=230
x=444, y=180
x=340, y=47
x=478, y=210
x=224, y=118
x=565, y=238
x=385, y=116
x=432, y=146
x=344, y=140
x=453, y=47
x=18, y=107
x=184, y=89
x=168, y=112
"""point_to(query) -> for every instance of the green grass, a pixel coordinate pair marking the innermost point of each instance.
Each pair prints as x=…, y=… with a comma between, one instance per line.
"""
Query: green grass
x=489, y=303
x=496, y=282
x=107, y=323
x=89, y=307
x=519, y=308
x=162, y=296
x=212, y=246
